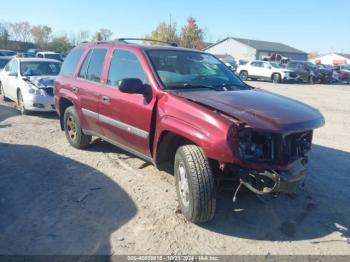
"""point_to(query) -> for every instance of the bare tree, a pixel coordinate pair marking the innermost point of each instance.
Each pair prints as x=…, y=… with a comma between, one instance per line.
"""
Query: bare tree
x=103, y=34
x=60, y=44
x=4, y=35
x=83, y=36
x=21, y=31
x=41, y=35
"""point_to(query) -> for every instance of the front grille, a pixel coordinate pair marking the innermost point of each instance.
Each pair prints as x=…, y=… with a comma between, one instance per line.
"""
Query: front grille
x=297, y=145
x=49, y=91
x=258, y=147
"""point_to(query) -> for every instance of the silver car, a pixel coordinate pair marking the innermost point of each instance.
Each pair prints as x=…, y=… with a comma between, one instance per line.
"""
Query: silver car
x=29, y=82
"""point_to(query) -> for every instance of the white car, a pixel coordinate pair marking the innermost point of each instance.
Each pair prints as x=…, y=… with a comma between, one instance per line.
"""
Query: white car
x=29, y=82
x=267, y=71
x=49, y=55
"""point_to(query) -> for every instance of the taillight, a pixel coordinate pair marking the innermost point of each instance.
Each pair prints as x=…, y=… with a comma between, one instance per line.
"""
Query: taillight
x=344, y=74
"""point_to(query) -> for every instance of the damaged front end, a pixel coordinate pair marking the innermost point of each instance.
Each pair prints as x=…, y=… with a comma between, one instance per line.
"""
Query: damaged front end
x=269, y=162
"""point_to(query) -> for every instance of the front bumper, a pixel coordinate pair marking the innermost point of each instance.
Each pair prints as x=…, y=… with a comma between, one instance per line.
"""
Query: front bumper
x=290, y=179
x=274, y=181
x=43, y=103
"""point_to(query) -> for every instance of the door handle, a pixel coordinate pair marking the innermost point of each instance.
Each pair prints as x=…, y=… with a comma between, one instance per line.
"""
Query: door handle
x=75, y=89
x=106, y=99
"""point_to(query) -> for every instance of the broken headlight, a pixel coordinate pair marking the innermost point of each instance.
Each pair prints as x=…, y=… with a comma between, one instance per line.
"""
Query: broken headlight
x=255, y=146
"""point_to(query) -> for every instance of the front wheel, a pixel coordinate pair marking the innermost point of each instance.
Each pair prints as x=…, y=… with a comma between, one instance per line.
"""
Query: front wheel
x=20, y=104
x=243, y=75
x=276, y=78
x=73, y=131
x=195, y=184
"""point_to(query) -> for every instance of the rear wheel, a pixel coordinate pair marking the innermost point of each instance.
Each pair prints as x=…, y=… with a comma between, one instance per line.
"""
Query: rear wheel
x=195, y=184
x=2, y=93
x=73, y=131
x=20, y=104
x=243, y=75
x=276, y=78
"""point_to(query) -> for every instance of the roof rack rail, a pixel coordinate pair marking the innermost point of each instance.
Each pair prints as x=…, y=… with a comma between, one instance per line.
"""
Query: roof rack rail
x=125, y=40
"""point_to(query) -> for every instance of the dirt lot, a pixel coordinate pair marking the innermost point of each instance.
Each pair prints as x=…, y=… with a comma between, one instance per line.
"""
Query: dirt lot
x=55, y=199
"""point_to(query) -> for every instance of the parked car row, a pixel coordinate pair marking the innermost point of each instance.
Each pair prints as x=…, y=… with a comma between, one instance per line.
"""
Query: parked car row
x=33, y=53
x=293, y=71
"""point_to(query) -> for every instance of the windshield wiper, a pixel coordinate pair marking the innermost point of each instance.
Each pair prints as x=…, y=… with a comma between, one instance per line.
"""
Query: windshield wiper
x=192, y=86
x=230, y=86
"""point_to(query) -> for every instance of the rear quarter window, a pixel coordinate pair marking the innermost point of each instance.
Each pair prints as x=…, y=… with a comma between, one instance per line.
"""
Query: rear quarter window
x=71, y=62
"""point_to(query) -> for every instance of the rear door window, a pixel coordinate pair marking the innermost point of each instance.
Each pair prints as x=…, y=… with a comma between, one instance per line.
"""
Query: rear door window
x=96, y=63
x=256, y=64
x=71, y=62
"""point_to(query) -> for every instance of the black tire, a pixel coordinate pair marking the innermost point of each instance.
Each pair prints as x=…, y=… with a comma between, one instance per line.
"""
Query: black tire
x=315, y=80
x=20, y=104
x=2, y=94
x=276, y=78
x=198, y=202
x=243, y=75
x=73, y=131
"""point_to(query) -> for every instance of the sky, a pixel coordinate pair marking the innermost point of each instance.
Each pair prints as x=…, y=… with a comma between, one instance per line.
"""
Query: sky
x=309, y=25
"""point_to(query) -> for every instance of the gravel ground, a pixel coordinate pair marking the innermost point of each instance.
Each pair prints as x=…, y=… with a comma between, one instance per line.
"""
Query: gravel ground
x=55, y=199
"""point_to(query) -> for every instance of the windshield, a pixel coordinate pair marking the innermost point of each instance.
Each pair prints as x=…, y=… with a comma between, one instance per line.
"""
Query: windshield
x=36, y=68
x=346, y=67
x=3, y=62
x=184, y=69
x=276, y=65
x=53, y=56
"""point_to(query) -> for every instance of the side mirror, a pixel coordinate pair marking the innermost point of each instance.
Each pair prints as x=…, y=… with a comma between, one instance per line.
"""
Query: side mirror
x=270, y=67
x=13, y=74
x=133, y=86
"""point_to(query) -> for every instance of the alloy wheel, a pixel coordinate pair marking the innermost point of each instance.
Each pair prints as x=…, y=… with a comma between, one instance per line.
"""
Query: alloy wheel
x=72, y=128
x=20, y=103
x=183, y=185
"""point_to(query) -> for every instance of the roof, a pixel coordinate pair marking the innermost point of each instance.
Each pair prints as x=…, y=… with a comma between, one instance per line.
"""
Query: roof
x=139, y=46
x=224, y=56
x=262, y=45
x=344, y=55
x=35, y=59
x=47, y=52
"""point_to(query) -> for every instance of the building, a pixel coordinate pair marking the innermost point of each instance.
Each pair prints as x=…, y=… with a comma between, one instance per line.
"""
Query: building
x=246, y=49
x=332, y=59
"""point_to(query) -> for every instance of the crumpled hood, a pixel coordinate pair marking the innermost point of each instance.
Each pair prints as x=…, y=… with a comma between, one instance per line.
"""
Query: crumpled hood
x=260, y=109
x=42, y=81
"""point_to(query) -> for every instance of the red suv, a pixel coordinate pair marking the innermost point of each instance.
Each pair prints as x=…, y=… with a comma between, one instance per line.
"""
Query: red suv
x=184, y=108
